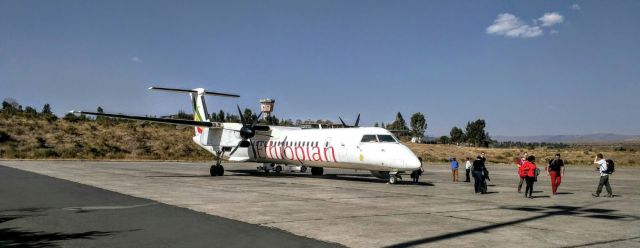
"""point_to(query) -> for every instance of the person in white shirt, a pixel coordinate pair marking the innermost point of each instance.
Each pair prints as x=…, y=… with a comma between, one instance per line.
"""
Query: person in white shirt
x=467, y=166
x=604, y=176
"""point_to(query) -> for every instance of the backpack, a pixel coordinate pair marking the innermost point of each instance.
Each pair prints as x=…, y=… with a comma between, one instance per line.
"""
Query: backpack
x=610, y=167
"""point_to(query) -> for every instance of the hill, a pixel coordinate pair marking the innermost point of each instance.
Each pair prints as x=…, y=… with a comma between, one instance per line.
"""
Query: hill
x=585, y=138
x=35, y=138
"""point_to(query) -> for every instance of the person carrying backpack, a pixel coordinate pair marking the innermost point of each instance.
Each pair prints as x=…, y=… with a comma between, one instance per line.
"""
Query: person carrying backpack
x=555, y=170
x=605, y=168
x=477, y=170
x=528, y=172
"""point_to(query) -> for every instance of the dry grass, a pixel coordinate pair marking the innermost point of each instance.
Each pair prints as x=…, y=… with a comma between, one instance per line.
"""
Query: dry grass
x=623, y=154
x=33, y=138
x=37, y=139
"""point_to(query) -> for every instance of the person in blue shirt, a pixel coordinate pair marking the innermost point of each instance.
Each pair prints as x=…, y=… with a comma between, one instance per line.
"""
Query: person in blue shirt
x=454, y=169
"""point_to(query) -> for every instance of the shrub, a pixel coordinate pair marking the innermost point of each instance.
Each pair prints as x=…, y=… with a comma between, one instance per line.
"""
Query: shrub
x=4, y=136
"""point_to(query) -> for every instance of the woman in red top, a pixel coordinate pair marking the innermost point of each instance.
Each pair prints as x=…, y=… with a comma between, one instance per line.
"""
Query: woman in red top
x=528, y=171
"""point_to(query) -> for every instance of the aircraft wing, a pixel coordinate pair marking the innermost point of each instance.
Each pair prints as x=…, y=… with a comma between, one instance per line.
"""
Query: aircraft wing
x=160, y=120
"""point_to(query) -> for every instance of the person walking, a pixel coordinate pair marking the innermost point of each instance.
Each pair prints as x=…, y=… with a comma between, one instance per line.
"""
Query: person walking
x=520, y=162
x=477, y=171
x=555, y=169
x=454, y=169
x=467, y=167
x=528, y=171
x=604, y=175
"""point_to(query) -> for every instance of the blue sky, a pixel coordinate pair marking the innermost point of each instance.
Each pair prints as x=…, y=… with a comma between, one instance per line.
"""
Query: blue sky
x=527, y=68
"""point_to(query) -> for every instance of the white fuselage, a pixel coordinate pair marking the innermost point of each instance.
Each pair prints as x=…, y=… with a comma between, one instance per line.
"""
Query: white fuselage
x=337, y=148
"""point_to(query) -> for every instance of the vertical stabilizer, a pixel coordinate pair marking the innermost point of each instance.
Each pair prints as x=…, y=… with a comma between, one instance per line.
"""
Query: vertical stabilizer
x=200, y=112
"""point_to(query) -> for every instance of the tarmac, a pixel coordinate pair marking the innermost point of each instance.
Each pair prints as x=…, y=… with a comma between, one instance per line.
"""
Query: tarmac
x=344, y=207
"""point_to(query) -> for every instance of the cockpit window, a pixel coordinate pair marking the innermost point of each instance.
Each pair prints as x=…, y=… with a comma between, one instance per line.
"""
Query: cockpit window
x=369, y=138
x=387, y=138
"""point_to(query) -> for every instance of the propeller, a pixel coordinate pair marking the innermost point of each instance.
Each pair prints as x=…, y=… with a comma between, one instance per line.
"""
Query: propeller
x=247, y=132
x=357, y=122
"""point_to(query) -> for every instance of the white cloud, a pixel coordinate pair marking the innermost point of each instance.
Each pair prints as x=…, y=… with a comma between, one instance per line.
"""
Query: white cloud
x=553, y=31
x=550, y=19
x=136, y=59
x=510, y=26
x=575, y=6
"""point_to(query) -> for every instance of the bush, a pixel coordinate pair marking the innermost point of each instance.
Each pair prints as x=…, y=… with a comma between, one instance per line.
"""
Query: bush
x=4, y=136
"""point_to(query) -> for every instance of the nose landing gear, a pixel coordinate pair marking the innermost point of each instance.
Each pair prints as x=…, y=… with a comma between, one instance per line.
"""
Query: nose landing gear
x=394, y=178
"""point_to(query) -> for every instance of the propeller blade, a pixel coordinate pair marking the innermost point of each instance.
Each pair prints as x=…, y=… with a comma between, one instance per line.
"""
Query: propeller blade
x=253, y=148
x=255, y=121
x=357, y=121
x=241, y=115
x=343, y=124
x=235, y=148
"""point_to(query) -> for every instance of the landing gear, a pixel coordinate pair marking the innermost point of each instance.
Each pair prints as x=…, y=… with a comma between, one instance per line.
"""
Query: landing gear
x=303, y=169
x=217, y=169
x=278, y=169
x=317, y=171
x=394, y=178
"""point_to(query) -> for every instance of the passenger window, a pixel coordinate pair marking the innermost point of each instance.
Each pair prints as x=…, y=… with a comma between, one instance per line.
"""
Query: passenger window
x=387, y=138
x=369, y=138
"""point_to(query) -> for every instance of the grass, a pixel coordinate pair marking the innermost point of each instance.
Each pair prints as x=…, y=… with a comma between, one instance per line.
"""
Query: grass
x=625, y=154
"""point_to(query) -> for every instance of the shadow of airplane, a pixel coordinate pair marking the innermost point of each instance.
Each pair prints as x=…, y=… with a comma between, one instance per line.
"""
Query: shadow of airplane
x=343, y=177
x=545, y=212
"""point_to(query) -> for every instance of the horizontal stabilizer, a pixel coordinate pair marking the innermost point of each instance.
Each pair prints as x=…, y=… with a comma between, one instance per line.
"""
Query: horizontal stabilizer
x=161, y=120
x=194, y=91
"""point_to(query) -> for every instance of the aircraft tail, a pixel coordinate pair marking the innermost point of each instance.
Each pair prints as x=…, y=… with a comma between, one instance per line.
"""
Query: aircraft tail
x=200, y=112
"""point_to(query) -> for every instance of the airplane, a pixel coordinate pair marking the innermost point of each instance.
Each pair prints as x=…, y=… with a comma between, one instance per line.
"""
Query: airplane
x=353, y=147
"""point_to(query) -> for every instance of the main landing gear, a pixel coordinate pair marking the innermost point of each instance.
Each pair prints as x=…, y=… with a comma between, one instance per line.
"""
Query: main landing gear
x=317, y=171
x=217, y=169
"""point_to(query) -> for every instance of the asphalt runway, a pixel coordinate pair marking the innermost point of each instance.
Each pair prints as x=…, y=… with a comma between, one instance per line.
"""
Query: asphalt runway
x=343, y=207
x=40, y=211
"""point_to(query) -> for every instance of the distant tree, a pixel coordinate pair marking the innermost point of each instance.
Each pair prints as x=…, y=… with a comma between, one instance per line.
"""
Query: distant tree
x=221, y=116
x=382, y=125
x=376, y=124
x=287, y=122
x=418, y=125
x=46, y=109
x=182, y=115
x=444, y=140
x=47, y=113
x=457, y=135
x=100, y=110
x=247, y=114
x=476, y=135
x=30, y=111
x=9, y=107
x=398, y=124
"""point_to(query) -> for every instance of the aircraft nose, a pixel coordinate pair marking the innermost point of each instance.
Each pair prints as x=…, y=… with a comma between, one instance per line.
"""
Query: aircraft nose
x=412, y=162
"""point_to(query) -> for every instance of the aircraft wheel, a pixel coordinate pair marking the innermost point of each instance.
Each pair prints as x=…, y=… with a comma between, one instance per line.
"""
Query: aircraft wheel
x=303, y=169
x=393, y=179
x=220, y=170
x=213, y=171
x=278, y=169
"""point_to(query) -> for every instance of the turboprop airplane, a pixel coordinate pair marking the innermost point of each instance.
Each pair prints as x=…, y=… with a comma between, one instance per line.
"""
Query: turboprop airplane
x=359, y=148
